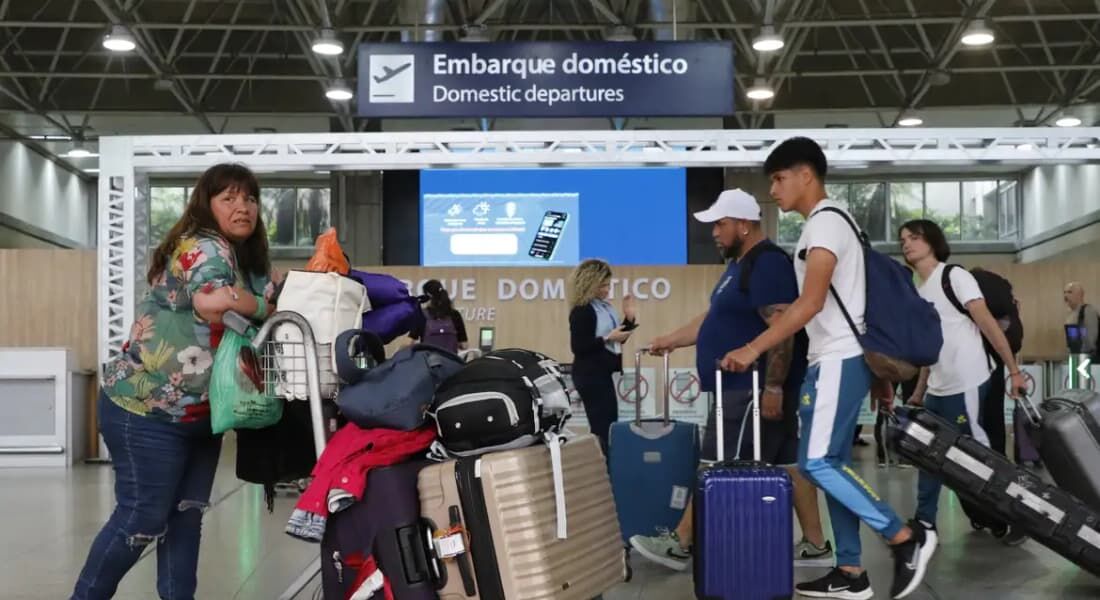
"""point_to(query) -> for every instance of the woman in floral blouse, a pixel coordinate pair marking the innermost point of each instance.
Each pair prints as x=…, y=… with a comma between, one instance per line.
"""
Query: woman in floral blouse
x=154, y=410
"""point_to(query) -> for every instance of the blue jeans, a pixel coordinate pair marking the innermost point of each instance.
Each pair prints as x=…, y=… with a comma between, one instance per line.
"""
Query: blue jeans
x=163, y=476
x=965, y=412
x=832, y=395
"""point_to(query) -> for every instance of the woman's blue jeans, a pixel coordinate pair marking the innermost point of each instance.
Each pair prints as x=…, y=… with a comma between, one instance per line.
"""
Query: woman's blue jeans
x=163, y=476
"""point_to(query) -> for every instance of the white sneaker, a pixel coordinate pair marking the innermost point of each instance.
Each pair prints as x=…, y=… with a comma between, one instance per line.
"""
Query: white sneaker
x=663, y=549
x=806, y=554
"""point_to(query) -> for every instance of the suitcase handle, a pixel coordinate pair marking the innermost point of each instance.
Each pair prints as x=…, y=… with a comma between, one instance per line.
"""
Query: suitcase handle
x=1029, y=409
x=667, y=388
x=719, y=415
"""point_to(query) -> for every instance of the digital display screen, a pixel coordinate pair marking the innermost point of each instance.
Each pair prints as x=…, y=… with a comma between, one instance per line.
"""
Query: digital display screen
x=553, y=216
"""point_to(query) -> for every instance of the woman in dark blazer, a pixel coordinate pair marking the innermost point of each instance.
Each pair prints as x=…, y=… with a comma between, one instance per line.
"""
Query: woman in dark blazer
x=596, y=335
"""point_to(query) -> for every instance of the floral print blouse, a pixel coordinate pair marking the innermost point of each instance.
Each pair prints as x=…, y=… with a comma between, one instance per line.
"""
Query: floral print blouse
x=163, y=371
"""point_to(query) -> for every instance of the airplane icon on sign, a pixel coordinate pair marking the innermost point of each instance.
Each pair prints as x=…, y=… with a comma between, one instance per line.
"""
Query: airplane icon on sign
x=389, y=73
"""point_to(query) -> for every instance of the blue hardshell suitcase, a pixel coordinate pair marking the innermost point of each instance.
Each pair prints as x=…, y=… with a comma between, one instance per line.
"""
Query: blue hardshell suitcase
x=743, y=527
x=653, y=464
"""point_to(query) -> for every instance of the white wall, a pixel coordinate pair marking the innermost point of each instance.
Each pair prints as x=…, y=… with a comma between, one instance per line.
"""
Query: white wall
x=1056, y=195
x=41, y=194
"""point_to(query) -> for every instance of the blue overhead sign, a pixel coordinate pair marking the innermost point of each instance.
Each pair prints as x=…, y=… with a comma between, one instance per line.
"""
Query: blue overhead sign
x=546, y=79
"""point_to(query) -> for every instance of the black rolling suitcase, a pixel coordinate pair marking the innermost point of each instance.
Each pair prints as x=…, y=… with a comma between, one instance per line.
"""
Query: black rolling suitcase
x=979, y=475
x=386, y=527
x=1067, y=434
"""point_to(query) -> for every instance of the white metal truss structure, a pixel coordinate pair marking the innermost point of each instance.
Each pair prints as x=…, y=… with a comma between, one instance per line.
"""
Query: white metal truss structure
x=126, y=160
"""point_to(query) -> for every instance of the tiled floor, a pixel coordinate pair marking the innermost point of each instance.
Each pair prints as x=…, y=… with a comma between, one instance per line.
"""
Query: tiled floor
x=51, y=517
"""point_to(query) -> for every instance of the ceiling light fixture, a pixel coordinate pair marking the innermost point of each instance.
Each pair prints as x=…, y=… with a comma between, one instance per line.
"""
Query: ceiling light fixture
x=760, y=90
x=768, y=40
x=1068, y=121
x=339, y=91
x=327, y=44
x=977, y=34
x=119, y=40
x=79, y=151
x=910, y=121
x=1026, y=147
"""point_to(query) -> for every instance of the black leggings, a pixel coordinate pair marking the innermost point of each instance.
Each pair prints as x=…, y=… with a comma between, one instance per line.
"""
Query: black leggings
x=601, y=405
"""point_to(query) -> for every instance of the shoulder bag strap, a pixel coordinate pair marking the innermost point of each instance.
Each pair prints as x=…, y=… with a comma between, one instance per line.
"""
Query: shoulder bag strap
x=862, y=239
x=949, y=290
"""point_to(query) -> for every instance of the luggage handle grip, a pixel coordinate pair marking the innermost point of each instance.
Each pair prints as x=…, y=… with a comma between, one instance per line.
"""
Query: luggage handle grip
x=1029, y=409
x=719, y=415
x=667, y=389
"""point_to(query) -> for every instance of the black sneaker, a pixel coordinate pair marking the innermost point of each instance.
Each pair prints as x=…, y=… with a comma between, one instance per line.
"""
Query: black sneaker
x=1013, y=536
x=838, y=584
x=911, y=559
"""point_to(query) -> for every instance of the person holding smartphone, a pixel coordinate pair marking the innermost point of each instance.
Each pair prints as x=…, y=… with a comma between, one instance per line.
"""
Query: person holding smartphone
x=596, y=336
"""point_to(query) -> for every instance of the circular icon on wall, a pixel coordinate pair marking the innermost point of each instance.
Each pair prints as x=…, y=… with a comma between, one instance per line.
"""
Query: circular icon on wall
x=630, y=388
x=685, y=388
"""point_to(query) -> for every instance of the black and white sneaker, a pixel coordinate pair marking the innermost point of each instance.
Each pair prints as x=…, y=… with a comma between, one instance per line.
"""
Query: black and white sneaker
x=838, y=584
x=911, y=559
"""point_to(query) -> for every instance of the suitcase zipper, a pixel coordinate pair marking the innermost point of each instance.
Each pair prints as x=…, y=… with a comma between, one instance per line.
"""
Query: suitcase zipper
x=472, y=494
x=513, y=414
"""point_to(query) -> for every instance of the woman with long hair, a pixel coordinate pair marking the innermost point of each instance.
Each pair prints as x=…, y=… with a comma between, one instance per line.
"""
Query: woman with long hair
x=596, y=336
x=443, y=325
x=153, y=409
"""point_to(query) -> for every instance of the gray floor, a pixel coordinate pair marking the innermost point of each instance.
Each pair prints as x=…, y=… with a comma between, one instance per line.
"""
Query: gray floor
x=51, y=517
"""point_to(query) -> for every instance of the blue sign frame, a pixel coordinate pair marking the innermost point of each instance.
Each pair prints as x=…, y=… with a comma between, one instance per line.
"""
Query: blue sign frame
x=546, y=79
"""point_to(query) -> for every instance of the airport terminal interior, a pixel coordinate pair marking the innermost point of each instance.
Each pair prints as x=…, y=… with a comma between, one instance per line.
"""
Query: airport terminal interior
x=330, y=233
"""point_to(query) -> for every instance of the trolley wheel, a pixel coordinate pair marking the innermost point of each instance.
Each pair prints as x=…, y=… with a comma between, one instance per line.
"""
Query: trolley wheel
x=977, y=526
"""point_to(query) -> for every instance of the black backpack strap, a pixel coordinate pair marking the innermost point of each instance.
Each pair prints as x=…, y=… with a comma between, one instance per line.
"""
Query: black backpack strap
x=748, y=261
x=949, y=290
x=864, y=242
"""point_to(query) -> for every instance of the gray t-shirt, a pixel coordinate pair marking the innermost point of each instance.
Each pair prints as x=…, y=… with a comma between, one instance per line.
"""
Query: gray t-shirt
x=1086, y=315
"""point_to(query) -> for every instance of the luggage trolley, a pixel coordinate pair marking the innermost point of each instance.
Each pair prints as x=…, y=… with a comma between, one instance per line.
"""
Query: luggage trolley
x=286, y=364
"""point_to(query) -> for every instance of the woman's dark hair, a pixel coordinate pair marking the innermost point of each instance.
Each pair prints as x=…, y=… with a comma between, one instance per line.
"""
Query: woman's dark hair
x=794, y=152
x=439, y=301
x=931, y=233
x=252, y=255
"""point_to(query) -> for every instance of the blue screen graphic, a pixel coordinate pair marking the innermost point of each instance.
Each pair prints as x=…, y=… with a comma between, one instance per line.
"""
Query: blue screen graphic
x=553, y=216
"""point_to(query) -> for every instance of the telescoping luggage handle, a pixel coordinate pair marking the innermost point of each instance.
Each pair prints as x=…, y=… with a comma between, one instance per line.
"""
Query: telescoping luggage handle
x=719, y=416
x=638, y=385
x=1023, y=400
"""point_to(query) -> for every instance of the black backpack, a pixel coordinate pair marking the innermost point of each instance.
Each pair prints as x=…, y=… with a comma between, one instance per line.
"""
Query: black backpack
x=506, y=399
x=998, y=298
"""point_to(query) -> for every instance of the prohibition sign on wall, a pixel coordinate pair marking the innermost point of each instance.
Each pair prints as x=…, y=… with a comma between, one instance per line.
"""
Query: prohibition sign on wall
x=685, y=388
x=629, y=390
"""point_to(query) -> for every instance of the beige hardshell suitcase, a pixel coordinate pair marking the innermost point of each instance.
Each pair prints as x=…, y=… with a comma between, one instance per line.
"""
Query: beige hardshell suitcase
x=500, y=511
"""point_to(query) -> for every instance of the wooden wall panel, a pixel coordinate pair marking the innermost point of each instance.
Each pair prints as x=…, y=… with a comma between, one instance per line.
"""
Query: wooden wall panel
x=48, y=298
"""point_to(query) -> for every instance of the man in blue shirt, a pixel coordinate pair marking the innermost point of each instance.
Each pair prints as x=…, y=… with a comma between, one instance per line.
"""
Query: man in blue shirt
x=757, y=286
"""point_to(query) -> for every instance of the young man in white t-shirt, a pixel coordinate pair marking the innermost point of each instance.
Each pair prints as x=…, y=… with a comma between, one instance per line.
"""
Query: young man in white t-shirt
x=956, y=386
x=829, y=255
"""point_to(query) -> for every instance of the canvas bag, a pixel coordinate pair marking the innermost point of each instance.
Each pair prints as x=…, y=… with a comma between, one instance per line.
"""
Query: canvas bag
x=332, y=304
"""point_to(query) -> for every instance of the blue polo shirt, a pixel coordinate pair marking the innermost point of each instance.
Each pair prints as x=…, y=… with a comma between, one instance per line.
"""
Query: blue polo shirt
x=734, y=317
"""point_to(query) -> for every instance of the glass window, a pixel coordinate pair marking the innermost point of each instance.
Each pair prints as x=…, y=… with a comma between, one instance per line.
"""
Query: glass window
x=279, y=206
x=165, y=208
x=838, y=192
x=314, y=214
x=979, y=211
x=867, y=204
x=790, y=227
x=941, y=206
x=906, y=204
x=1006, y=201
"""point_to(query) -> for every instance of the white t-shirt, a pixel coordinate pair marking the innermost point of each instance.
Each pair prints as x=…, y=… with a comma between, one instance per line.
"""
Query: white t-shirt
x=830, y=334
x=963, y=364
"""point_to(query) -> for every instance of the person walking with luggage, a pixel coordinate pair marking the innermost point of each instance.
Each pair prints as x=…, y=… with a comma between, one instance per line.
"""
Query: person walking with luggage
x=759, y=283
x=955, y=388
x=1084, y=316
x=830, y=261
x=154, y=411
x=596, y=337
x=443, y=326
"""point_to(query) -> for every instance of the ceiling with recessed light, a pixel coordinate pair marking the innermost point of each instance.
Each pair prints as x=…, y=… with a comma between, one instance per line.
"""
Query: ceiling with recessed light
x=276, y=60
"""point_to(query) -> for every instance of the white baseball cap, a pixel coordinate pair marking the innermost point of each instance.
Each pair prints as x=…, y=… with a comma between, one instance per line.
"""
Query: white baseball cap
x=731, y=204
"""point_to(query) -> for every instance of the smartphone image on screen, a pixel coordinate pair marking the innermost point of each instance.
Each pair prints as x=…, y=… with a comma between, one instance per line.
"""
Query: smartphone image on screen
x=546, y=240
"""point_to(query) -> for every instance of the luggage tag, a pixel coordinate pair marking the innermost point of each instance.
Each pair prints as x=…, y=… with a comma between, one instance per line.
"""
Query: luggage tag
x=449, y=543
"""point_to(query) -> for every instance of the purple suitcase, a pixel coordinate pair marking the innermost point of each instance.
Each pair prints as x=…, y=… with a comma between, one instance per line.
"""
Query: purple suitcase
x=744, y=528
x=386, y=524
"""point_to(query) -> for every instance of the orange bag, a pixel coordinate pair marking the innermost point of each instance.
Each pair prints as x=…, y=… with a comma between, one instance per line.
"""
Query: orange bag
x=328, y=256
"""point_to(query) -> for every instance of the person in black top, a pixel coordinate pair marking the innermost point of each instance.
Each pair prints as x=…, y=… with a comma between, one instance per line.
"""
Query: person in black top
x=443, y=325
x=596, y=335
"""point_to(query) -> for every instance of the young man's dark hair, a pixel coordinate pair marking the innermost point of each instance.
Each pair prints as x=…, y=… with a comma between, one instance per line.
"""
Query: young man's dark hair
x=794, y=152
x=932, y=234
